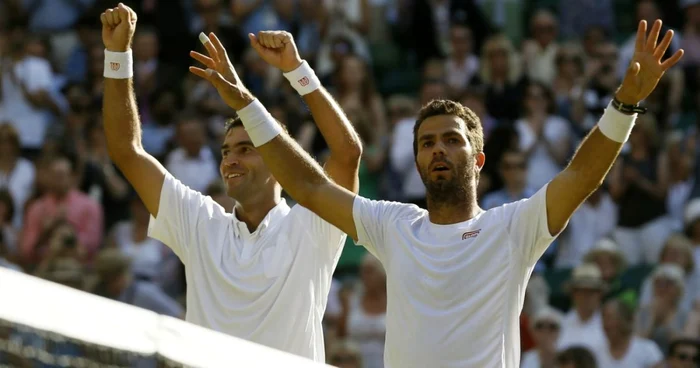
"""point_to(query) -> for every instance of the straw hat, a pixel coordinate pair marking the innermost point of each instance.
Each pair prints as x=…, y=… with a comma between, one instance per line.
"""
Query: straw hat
x=547, y=314
x=586, y=276
x=608, y=247
x=672, y=272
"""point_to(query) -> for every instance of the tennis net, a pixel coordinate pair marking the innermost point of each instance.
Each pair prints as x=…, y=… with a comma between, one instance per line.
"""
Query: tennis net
x=43, y=324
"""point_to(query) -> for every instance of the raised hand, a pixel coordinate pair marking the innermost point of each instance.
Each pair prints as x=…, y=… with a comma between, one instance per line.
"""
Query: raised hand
x=220, y=72
x=118, y=27
x=277, y=48
x=647, y=68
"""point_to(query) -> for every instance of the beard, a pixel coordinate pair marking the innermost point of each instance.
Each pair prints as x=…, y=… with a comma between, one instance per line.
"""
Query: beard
x=455, y=190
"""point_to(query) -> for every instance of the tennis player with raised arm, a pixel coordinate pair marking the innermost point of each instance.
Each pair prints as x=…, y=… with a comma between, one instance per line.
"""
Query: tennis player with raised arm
x=456, y=275
x=263, y=273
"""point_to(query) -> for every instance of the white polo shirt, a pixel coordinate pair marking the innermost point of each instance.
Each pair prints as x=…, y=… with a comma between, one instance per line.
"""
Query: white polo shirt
x=269, y=287
x=455, y=292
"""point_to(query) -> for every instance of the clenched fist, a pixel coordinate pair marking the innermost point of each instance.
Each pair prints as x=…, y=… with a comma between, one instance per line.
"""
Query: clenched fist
x=118, y=26
x=277, y=48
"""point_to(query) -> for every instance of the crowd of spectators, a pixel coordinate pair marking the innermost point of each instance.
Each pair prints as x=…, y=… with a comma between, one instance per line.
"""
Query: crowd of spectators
x=620, y=286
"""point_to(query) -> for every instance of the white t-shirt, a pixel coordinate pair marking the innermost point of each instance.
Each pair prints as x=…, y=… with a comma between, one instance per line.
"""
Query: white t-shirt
x=541, y=165
x=455, y=292
x=575, y=332
x=642, y=353
x=269, y=287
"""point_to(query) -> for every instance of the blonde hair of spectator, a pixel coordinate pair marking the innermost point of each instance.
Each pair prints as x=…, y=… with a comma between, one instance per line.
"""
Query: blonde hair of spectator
x=607, y=246
x=500, y=42
x=682, y=243
x=546, y=313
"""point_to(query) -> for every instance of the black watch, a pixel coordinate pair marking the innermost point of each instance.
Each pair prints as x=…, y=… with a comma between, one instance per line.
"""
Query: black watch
x=627, y=108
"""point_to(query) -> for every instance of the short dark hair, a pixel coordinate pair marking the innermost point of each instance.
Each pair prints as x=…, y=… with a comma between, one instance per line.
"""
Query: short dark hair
x=683, y=341
x=475, y=133
x=578, y=355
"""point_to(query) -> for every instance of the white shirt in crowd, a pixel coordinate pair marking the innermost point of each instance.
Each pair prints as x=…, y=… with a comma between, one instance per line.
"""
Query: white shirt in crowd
x=195, y=172
x=146, y=256
x=541, y=166
x=531, y=359
x=402, y=159
x=369, y=332
x=269, y=286
x=455, y=292
x=587, y=226
x=31, y=123
x=20, y=183
x=642, y=353
x=575, y=332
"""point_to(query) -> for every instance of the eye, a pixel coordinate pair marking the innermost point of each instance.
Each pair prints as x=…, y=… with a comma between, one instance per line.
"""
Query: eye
x=427, y=144
x=224, y=153
x=453, y=141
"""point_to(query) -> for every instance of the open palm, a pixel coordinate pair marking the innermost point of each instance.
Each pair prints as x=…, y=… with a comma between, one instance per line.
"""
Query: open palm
x=647, y=68
x=217, y=60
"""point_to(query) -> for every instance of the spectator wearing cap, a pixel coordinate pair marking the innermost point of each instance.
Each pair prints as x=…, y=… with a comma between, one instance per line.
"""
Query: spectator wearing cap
x=683, y=353
x=545, y=327
x=115, y=281
x=576, y=357
x=621, y=348
x=583, y=324
x=606, y=254
x=677, y=250
x=692, y=229
x=663, y=318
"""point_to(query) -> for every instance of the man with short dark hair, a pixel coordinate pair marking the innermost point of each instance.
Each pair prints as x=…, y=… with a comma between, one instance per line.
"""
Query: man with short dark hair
x=456, y=275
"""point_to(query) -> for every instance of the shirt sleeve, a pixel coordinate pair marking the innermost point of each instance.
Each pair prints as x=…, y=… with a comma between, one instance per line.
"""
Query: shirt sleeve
x=181, y=214
x=329, y=239
x=527, y=226
x=373, y=218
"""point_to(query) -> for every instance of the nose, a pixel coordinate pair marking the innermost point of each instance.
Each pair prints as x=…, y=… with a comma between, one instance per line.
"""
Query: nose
x=439, y=149
x=230, y=161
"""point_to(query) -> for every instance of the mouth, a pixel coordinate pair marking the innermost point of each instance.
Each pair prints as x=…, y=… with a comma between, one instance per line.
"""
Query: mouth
x=232, y=176
x=439, y=167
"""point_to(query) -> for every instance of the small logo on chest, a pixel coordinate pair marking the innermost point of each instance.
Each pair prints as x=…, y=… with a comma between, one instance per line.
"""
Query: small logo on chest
x=470, y=234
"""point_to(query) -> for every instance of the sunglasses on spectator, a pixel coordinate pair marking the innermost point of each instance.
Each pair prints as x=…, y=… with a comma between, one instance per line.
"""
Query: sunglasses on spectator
x=687, y=357
x=546, y=326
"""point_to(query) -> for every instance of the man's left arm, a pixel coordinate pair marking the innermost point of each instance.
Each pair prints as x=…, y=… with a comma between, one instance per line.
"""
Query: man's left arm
x=598, y=151
x=277, y=48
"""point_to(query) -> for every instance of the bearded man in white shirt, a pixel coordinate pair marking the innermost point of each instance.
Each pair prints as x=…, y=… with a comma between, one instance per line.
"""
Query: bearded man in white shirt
x=456, y=275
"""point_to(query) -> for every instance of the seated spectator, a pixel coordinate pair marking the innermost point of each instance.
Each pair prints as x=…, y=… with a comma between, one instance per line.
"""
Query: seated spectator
x=513, y=169
x=345, y=354
x=594, y=220
x=131, y=238
x=607, y=256
x=193, y=162
x=664, y=318
x=364, y=313
x=678, y=251
x=621, y=348
x=16, y=173
x=115, y=281
x=62, y=202
x=59, y=246
x=576, y=357
x=545, y=327
x=583, y=324
x=683, y=353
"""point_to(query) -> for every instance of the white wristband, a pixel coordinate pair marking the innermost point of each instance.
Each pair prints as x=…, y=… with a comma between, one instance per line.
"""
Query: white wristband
x=303, y=79
x=616, y=125
x=119, y=65
x=259, y=123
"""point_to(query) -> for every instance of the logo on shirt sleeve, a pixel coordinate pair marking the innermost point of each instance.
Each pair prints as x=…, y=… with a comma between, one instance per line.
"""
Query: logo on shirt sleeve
x=470, y=234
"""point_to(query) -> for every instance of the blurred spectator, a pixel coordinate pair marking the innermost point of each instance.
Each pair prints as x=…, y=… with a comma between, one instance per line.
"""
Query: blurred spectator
x=692, y=230
x=192, y=162
x=607, y=256
x=545, y=327
x=67, y=272
x=639, y=184
x=679, y=160
x=217, y=191
x=102, y=180
x=544, y=137
x=262, y=15
x=17, y=174
x=583, y=325
x=683, y=353
x=130, y=237
x=462, y=65
x=677, y=250
x=576, y=357
x=26, y=100
x=345, y=354
x=579, y=17
x=664, y=317
x=691, y=32
x=621, y=348
x=594, y=220
x=502, y=75
x=58, y=245
x=62, y=202
x=365, y=313
x=566, y=86
x=599, y=82
x=513, y=169
x=475, y=99
x=540, y=50
x=115, y=281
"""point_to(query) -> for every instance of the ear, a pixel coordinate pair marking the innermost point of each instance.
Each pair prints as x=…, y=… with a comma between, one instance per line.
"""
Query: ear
x=480, y=160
